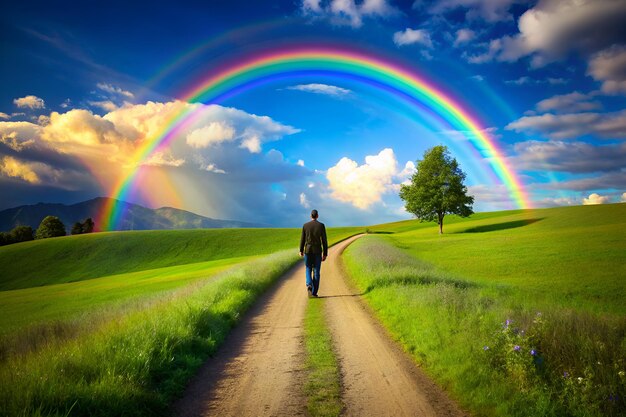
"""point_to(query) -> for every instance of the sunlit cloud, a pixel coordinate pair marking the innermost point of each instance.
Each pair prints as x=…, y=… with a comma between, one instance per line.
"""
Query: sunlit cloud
x=30, y=102
x=595, y=198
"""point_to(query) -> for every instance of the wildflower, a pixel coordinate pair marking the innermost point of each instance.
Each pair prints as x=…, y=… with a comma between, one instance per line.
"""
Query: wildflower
x=621, y=373
x=507, y=322
x=533, y=352
x=565, y=374
x=580, y=379
x=516, y=348
x=487, y=348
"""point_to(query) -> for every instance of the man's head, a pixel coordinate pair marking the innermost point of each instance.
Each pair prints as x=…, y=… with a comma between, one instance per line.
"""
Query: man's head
x=314, y=214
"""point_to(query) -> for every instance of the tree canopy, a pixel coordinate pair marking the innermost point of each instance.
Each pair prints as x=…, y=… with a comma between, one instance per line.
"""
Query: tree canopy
x=51, y=226
x=437, y=188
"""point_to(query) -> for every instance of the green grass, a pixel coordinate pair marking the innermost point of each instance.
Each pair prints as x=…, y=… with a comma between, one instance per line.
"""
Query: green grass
x=95, y=255
x=31, y=306
x=322, y=387
x=446, y=298
x=571, y=256
x=137, y=364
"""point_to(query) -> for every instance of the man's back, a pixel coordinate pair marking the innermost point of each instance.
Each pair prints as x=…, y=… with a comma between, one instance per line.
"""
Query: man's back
x=313, y=238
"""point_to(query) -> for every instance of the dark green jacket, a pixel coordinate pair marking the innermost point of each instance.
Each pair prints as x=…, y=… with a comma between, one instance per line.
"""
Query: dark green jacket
x=313, y=238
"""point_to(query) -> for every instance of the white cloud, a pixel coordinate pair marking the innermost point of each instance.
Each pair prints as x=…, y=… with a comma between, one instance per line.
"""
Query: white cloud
x=106, y=105
x=213, y=168
x=464, y=36
x=304, y=202
x=488, y=10
x=4, y=116
x=565, y=126
x=300, y=162
x=326, y=89
x=623, y=198
x=595, y=198
x=492, y=49
x=161, y=158
x=410, y=36
x=31, y=102
x=572, y=102
x=111, y=89
x=573, y=157
x=609, y=66
x=477, y=77
x=363, y=185
x=348, y=12
x=526, y=80
x=214, y=133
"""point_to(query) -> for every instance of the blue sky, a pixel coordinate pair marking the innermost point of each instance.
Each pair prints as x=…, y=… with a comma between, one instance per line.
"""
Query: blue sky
x=84, y=84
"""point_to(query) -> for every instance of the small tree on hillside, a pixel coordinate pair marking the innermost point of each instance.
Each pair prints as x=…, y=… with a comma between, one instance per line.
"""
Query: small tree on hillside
x=437, y=188
x=51, y=226
x=77, y=228
x=21, y=234
x=88, y=225
x=85, y=227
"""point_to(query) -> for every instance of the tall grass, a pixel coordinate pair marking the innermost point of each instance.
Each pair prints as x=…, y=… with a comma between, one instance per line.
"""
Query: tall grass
x=489, y=344
x=135, y=365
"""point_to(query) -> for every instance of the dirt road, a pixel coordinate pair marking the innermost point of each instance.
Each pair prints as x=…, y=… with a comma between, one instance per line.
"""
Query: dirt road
x=259, y=371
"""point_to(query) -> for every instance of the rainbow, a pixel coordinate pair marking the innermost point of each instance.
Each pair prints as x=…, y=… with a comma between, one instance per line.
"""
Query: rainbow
x=232, y=79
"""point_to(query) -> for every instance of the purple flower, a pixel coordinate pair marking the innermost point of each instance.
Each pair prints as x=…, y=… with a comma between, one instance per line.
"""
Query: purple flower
x=533, y=352
x=485, y=347
x=516, y=348
x=565, y=374
x=506, y=323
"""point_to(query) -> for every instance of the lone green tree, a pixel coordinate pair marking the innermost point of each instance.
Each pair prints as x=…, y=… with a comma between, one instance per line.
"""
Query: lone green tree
x=51, y=226
x=437, y=188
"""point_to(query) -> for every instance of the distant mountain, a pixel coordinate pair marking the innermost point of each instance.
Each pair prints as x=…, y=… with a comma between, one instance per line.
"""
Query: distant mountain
x=136, y=217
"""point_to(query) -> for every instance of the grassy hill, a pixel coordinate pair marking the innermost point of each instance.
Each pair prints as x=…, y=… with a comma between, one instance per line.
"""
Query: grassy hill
x=571, y=255
x=75, y=258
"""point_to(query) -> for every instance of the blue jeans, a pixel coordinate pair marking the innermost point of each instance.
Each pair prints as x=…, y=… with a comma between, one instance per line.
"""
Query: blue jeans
x=313, y=262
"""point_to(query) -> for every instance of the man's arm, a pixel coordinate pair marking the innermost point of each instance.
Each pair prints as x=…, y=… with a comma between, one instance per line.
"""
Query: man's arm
x=302, y=237
x=324, y=243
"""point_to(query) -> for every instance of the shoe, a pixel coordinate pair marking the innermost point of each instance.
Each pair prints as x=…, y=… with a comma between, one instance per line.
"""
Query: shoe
x=315, y=295
x=309, y=290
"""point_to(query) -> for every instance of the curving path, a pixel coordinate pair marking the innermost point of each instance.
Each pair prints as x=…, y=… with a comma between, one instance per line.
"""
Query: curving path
x=259, y=370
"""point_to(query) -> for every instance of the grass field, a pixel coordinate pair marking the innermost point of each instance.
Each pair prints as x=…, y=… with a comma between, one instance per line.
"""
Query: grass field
x=516, y=313
x=95, y=255
x=126, y=343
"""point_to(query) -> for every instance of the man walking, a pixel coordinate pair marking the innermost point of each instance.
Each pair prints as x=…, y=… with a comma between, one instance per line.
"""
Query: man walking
x=314, y=248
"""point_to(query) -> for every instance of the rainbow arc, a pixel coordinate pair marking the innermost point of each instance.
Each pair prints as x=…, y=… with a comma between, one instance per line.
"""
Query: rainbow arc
x=269, y=67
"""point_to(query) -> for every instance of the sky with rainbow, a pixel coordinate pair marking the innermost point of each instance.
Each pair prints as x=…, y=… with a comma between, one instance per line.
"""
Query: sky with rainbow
x=260, y=111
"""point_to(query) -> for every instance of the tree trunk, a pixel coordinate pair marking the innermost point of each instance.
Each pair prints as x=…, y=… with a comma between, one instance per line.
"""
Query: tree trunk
x=440, y=215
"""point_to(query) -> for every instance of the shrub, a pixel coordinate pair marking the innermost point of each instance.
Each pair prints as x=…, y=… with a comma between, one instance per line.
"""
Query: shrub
x=5, y=239
x=21, y=234
x=51, y=226
x=84, y=227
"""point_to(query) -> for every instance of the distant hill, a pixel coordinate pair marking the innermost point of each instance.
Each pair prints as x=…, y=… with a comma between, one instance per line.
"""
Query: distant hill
x=136, y=218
